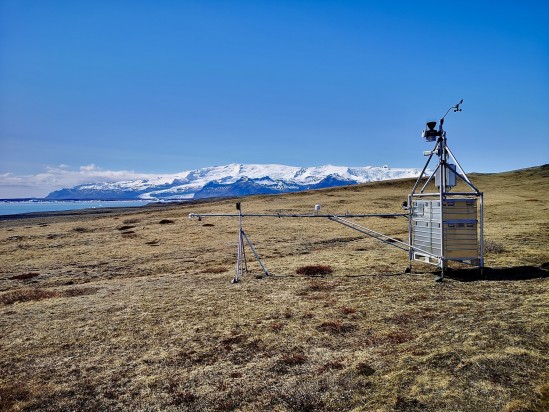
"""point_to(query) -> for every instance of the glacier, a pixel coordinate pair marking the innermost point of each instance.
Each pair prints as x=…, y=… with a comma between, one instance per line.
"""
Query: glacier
x=231, y=180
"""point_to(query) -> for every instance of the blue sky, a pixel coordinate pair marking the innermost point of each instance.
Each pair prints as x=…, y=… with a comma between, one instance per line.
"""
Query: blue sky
x=100, y=89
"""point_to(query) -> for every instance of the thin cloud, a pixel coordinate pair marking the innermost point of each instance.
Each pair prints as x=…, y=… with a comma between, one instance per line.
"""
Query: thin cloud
x=59, y=177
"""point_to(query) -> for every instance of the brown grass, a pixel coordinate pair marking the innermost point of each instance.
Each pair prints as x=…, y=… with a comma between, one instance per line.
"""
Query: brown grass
x=215, y=270
x=132, y=220
x=317, y=286
x=113, y=323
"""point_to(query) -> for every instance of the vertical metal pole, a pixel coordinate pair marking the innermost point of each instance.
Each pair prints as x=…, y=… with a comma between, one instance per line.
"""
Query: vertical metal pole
x=442, y=190
x=236, y=279
x=244, y=255
x=481, y=221
x=410, y=228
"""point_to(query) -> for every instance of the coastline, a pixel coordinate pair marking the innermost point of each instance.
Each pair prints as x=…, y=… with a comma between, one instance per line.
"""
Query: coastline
x=106, y=211
x=80, y=214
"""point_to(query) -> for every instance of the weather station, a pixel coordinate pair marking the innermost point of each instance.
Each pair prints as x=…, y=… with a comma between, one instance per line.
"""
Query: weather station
x=443, y=226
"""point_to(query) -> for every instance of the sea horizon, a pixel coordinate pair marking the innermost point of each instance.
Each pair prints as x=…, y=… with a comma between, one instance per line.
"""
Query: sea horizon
x=32, y=205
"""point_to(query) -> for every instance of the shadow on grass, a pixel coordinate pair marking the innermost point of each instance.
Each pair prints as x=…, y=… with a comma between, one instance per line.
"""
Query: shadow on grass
x=499, y=274
x=359, y=275
x=462, y=275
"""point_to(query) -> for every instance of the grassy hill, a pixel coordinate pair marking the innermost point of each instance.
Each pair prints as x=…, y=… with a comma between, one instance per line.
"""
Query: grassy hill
x=133, y=309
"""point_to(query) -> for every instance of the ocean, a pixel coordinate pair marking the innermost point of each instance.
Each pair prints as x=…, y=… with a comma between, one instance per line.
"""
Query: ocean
x=9, y=207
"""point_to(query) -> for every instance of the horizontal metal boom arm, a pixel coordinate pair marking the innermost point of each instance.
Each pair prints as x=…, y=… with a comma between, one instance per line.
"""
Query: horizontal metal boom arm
x=192, y=215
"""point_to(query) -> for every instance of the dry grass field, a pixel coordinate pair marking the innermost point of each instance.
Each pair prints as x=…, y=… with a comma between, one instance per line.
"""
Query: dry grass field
x=134, y=309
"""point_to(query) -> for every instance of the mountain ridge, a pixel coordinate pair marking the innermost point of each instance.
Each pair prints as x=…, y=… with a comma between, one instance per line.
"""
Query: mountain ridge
x=231, y=180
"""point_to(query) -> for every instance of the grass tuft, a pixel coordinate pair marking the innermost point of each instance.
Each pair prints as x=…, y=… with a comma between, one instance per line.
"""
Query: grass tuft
x=391, y=338
x=25, y=276
x=293, y=358
x=491, y=246
x=184, y=398
x=277, y=326
x=336, y=327
x=131, y=221
x=214, y=269
x=347, y=310
x=331, y=365
x=409, y=404
x=314, y=270
x=125, y=227
x=27, y=295
x=12, y=394
x=303, y=395
x=364, y=369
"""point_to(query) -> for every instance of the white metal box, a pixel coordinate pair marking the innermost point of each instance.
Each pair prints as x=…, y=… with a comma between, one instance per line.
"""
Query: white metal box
x=450, y=176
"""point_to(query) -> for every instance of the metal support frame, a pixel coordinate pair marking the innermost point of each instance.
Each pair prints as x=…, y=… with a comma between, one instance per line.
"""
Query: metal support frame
x=298, y=215
x=443, y=152
x=372, y=233
x=241, y=264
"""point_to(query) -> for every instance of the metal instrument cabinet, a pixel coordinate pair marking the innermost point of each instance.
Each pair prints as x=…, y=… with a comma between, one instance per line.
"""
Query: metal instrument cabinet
x=450, y=233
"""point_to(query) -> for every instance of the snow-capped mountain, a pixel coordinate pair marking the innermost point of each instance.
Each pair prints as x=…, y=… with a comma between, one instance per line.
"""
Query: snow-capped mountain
x=232, y=180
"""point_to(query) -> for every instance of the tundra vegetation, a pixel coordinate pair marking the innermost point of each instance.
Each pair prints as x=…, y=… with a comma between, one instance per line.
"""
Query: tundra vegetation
x=133, y=309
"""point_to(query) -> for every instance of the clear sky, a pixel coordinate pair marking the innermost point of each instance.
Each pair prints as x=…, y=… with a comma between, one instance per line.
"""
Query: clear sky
x=91, y=90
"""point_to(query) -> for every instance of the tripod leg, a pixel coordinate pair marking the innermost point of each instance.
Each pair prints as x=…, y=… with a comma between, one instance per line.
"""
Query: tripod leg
x=239, y=268
x=255, y=254
x=440, y=277
x=244, y=255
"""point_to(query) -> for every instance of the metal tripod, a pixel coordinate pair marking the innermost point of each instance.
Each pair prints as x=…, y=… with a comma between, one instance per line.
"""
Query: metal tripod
x=241, y=263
